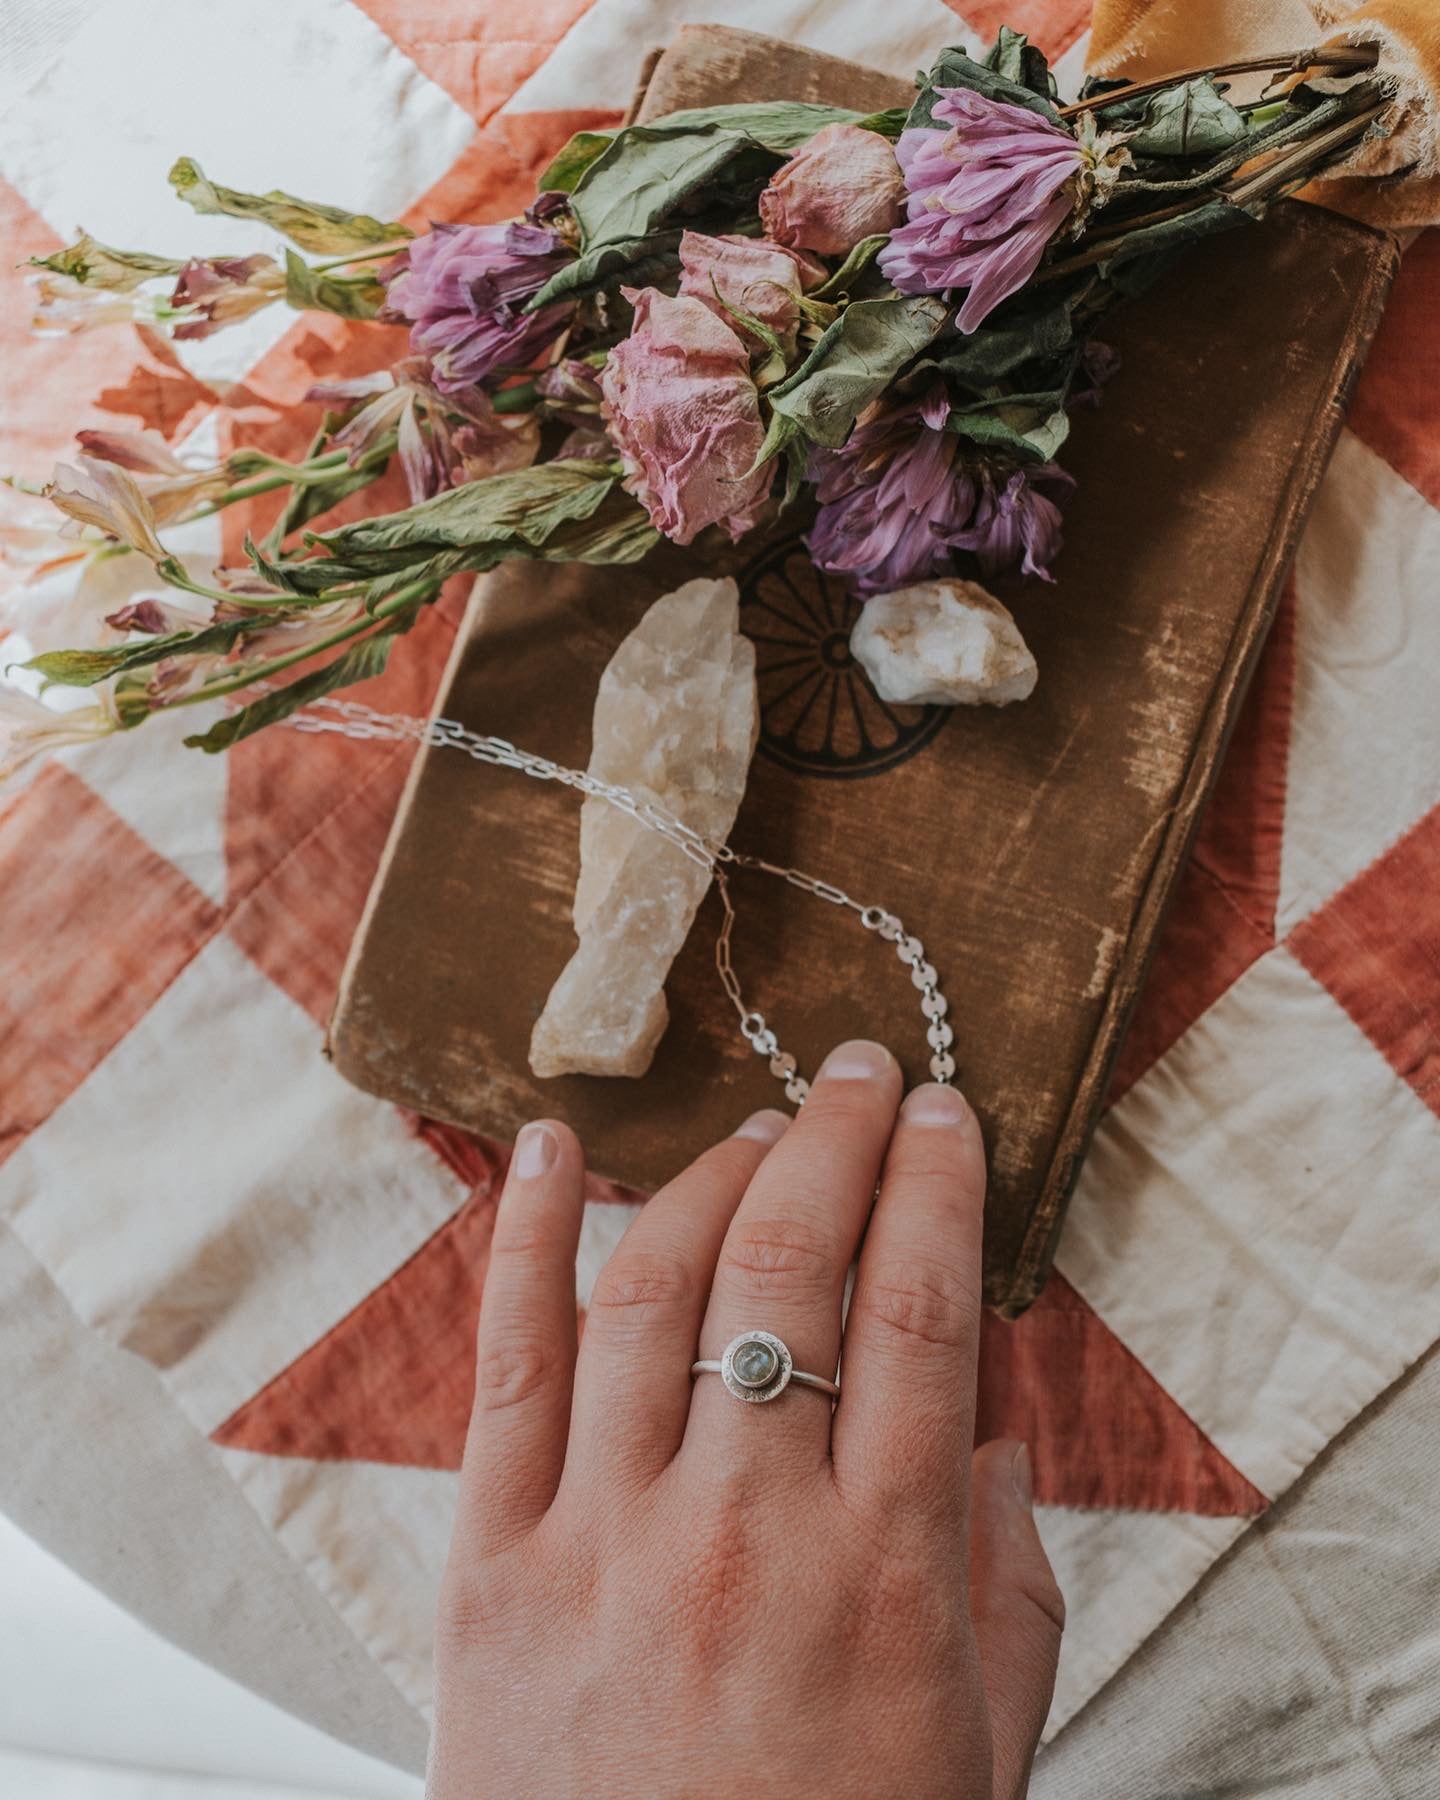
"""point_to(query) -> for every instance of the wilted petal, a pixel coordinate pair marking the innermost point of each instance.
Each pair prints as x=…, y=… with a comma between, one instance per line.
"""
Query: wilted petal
x=29, y=728
x=64, y=307
x=685, y=417
x=224, y=289
x=109, y=498
x=1016, y=521
x=359, y=387
x=462, y=290
x=157, y=616
x=762, y=279
x=985, y=199
x=142, y=452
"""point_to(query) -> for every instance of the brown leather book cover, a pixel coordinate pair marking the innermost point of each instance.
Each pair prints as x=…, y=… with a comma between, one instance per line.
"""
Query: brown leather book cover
x=1032, y=848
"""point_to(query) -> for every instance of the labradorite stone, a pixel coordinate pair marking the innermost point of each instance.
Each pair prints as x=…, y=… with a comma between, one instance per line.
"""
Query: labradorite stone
x=754, y=1364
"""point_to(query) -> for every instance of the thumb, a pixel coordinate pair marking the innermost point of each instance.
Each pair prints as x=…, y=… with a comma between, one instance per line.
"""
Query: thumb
x=1016, y=1608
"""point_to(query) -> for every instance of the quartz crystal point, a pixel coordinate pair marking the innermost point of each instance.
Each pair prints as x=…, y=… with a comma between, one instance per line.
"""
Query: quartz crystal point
x=676, y=719
x=943, y=643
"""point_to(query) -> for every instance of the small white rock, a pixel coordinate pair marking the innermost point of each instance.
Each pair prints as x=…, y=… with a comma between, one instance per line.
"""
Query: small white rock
x=943, y=643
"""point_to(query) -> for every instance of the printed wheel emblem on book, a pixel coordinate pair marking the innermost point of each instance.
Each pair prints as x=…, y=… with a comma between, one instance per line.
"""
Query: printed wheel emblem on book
x=818, y=713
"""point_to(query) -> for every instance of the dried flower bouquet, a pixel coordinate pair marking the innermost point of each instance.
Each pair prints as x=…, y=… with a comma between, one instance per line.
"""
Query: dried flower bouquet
x=703, y=319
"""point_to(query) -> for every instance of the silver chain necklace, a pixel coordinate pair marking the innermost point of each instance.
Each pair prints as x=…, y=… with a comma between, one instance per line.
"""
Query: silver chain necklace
x=349, y=718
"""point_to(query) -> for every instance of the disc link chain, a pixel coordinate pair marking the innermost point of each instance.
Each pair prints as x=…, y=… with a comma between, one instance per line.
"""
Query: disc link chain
x=353, y=719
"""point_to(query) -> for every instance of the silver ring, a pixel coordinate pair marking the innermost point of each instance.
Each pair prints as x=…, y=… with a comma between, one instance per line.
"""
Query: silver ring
x=757, y=1366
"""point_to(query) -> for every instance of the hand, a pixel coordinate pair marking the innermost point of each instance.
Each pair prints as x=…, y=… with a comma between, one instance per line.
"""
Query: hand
x=656, y=1590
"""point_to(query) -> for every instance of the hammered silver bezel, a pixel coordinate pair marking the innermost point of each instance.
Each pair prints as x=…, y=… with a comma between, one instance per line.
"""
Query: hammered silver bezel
x=777, y=1384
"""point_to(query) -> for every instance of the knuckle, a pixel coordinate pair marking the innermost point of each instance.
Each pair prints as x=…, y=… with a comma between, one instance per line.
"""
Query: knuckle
x=635, y=1284
x=779, y=1256
x=1042, y=1590
x=512, y=1370
x=918, y=1303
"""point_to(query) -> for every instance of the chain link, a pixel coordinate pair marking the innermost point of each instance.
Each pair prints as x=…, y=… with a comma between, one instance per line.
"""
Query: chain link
x=352, y=719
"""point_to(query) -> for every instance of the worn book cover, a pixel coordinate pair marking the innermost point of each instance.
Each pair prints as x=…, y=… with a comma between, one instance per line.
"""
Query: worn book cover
x=1032, y=848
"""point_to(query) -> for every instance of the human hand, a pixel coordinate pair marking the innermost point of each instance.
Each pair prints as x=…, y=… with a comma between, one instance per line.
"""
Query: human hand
x=657, y=1591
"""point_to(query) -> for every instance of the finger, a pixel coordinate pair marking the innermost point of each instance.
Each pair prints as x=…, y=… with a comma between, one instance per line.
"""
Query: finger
x=1017, y=1610
x=525, y=1348
x=906, y=1422
x=783, y=1264
x=633, y=1381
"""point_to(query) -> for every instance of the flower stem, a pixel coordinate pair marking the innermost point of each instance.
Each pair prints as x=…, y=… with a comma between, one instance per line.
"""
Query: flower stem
x=373, y=254
x=402, y=598
x=1337, y=59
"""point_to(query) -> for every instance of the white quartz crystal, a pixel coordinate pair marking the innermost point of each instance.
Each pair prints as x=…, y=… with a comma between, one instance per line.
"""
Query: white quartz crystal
x=943, y=643
x=676, y=720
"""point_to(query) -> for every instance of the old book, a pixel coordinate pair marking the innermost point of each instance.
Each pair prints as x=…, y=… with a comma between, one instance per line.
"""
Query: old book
x=1033, y=849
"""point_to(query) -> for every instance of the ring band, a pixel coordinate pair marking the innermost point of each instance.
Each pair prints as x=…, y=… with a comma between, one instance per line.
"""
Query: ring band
x=757, y=1366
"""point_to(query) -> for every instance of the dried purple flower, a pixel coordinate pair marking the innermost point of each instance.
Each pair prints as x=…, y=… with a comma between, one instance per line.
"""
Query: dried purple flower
x=986, y=197
x=1016, y=521
x=897, y=501
x=892, y=497
x=462, y=290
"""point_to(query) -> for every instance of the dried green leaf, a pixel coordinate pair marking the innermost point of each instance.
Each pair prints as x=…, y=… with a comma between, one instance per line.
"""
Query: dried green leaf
x=87, y=668
x=637, y=262
x=351, y=296
x=1042, y=337
x=855, y=264
x=359, y=663
x=781, y=125
x=1191, y=120
x=1014, y=58
x=324, y=230
x=573, y=160
x=854, y=361
x=953, y=68
x=97, y=265
x=1030, y=426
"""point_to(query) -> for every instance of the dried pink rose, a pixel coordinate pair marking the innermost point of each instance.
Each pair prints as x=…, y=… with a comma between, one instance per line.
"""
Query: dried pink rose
x=842, y=185
x=685, y=417
x=762, y=279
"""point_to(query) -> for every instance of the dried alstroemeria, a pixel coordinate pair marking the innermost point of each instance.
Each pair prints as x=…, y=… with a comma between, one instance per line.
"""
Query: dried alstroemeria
x=840, y=186
x=64, y=307
x=88, y=284
x=685, y=416
x=221, y=290
x=29, y=728
x=109, y=499
x=173, y=488
x=462, y=290
x=442, y=439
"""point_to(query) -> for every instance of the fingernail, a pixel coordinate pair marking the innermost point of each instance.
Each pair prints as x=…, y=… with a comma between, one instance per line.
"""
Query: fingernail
x=535, y=1151
x=766, y=1127
x=1022, y=1473
x=859, y=1060
x=935, y=1104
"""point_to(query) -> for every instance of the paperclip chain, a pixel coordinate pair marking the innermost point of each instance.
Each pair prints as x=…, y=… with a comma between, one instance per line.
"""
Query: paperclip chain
x=352, y=719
